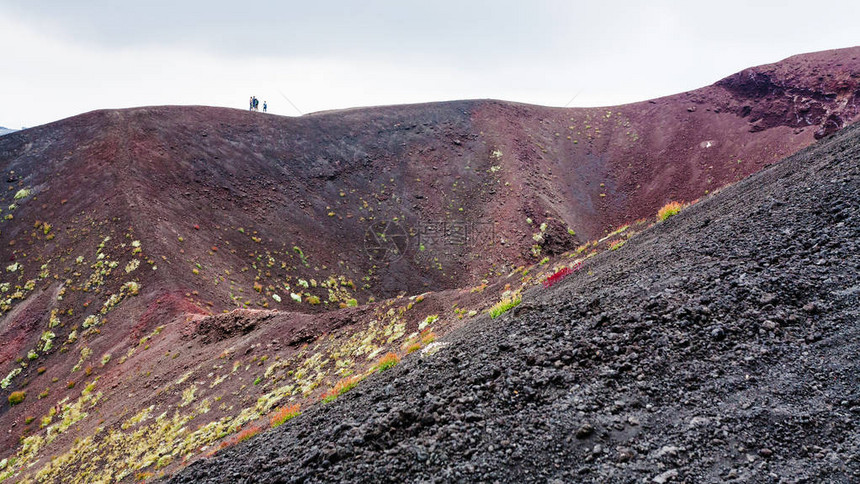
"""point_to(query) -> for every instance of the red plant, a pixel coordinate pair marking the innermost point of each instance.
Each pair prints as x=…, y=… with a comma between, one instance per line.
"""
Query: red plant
x=387, y=361
x=340, y=388
x=616, y=244
x=284, y=414
x=247, y=433
x=242, y=436
x=561, y=274
x=427, y=336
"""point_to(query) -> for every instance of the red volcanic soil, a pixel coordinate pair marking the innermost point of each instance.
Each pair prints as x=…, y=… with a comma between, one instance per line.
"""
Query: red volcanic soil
x=318, y=182
x=116, y=223
x=720, y=346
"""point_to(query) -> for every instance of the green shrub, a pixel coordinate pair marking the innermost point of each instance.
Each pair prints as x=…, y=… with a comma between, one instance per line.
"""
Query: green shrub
x=505, y=305
x=284, y=414
x=17, y=397
x=248, y=433
x=668, y=210
x=388, y=361
x=340, y=388
x=428, y=321
x=163, y=461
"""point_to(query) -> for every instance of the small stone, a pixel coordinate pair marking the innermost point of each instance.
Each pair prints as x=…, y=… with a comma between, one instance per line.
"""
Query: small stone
x=666, y=476
x=624, y=454
x=769, y=325
x=718, y=334
x=765, y=452
x=698, y=421
x=584, y=431
x=670, y=450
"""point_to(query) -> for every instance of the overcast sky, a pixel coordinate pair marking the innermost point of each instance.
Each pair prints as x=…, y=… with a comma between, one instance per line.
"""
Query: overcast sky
x=59, y=58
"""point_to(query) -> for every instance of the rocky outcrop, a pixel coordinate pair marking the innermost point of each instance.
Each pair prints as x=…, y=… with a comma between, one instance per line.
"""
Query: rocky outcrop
x=771, y=95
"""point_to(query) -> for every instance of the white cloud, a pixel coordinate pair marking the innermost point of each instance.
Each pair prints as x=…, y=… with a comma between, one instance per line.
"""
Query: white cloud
x=542, y=54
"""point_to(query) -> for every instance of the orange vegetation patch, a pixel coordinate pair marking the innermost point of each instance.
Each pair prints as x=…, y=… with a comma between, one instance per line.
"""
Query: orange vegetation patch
x=285, y=413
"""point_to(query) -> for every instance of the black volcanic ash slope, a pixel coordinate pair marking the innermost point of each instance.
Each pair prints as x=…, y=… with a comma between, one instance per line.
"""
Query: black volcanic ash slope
x=723, y=345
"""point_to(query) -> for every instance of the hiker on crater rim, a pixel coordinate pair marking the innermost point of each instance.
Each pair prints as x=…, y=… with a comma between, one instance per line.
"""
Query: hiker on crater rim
x=264, y=106
x=251, y=102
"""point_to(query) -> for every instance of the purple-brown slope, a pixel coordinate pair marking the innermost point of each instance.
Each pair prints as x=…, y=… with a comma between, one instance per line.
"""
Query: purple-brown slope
x=719, y=346
x=116, y=223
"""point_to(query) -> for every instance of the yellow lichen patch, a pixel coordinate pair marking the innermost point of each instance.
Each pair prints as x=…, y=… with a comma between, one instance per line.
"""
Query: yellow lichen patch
x=121, y=454
x=130, y=288
x=268, y=401
x=118, y=453
x=54, y=319
x=184, y=377
x=217, y=381
x=310, y=373
x=204, y=406
x=188, y=395
x=146, y=338
x=395, y=332
x=86, y=352
x=138, y=417
x=68, y=416
x=131, y=445
x=90, y=321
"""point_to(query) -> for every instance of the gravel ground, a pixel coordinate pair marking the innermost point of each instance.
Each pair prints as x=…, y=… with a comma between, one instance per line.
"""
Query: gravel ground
x=721, y=345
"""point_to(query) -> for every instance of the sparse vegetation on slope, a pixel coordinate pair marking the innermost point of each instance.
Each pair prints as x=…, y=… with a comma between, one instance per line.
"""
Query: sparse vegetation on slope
x=668, y=210
x=340, y=388
x=505, y=305
x=204, y=312
x=390, y=360
x=17, y=397
x=285, y=414
x=666, y=364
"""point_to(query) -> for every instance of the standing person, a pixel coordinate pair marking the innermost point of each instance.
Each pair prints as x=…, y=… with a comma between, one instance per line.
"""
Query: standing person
x=264, y=106
x=251, y=102
x=256, y=104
